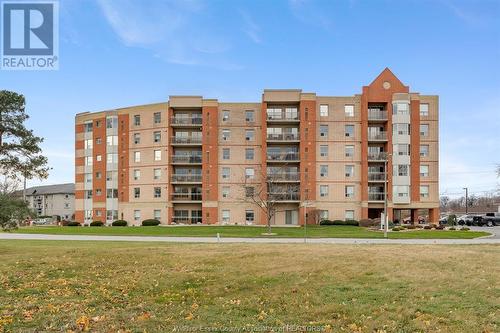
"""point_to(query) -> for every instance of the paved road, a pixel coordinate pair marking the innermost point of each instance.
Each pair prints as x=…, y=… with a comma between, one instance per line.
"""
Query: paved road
x=494, y=230
x=483, y=240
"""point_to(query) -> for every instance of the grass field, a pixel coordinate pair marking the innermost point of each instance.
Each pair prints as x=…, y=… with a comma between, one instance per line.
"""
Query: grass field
x=111, y=287
x=250, y=231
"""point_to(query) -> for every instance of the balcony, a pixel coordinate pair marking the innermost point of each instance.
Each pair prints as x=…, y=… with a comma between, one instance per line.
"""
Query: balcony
x=185, y=220
x=194, y=121
x=376, y=176
x=380, y=136
x=377, y=115
x=290, y=137
x=186, y=140
x=377, y=157
x=284, y=177
x=376, y=196
x=284, y=196
x=186, y=196
x=283, y=118
x=186, y=159
x=283, y=157
x=186, y=178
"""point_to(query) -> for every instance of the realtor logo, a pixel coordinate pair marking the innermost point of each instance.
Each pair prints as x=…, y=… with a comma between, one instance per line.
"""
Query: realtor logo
x=30, y=39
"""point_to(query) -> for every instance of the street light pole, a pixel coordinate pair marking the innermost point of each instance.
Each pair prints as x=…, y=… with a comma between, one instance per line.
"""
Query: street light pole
x=386, y=227
x=466, y=199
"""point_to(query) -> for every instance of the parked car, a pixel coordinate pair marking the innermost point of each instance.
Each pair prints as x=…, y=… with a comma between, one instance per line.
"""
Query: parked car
x=489, y=219
x=466, y=219
x=443, y=219
x=42, y=221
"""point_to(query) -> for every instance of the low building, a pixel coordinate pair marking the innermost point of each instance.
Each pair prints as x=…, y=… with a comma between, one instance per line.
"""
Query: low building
x=52, y=200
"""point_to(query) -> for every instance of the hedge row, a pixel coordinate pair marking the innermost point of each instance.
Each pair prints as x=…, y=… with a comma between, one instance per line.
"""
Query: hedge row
x=339, y=222
x=117, y=223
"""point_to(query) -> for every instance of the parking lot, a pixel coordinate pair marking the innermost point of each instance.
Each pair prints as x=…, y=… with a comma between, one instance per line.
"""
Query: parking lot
x=494, y=230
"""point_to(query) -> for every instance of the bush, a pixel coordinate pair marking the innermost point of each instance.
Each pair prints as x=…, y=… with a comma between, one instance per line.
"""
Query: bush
x=339, y=222
x=96, y=224
x=119, y=223
x=439, y=227
x=150, y=223
x=419, y=226
x=397, y=229
x=369, y=223
x=73, y=224
x=465, y=229
x=428, y=227
x=452, y=228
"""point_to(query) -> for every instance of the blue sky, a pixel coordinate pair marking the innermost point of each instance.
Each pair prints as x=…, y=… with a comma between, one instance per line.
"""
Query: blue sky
x=116, y=53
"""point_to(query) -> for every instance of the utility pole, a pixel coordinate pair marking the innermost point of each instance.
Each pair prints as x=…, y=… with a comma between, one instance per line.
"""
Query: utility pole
x=466, y=199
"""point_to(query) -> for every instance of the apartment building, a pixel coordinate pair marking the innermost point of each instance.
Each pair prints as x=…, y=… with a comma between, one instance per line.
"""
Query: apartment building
x=51, y=200
x=196, y=160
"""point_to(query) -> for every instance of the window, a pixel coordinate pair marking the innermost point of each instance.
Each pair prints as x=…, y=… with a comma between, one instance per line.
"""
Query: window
x=98, y=175
x=424, y=150
x=323, y=151
x=137, y=156
x=249, y=191
x=323, y=190
x=401, y=129
x=112, y=193
x=424, y=129
x=98, y=213
x=323, y=130
x=225, y=191
x=226, y=153
x=137, y=138
x=349, y=170
x=226, y=172
x=225, y=216
x=323, y=215
x=157, y=155
x=157, y=214
x=225, y=115
x=249, y=135
x=88, y=214
x=137, y=215
x=157, y=174
x=400, y=108
x=291, y=113
x=88, y=194
x=349, y=110
x=249, y=216
x=88, y=144
x=226, y=134
x=98, y=141
x=87, y=127
x=249, y=153
x=323, y=170
x=137, y=120
x=97, y=123
x=349, y=131
x=112, y=158
x=98, y=158
x=323, y=110
x=111, y=175
x=401, y=191
x=424, y=171
x=87, y=178
x=349, y=151
x=249, y=116
x=111, y=122
x=401, y=149
x=349, y=191
x=137, y=192
x=137, y=174
x=424, y=191
x=424, y=109
x=157, y=117
x=98, y=192
x=157, y=136
x=157, y=192
x=112, y=140
x=249, y=173
x=349, y=215
x=401, y=170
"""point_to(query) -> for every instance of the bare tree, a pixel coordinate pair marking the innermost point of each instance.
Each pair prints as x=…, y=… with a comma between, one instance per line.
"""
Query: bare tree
x=278, y=187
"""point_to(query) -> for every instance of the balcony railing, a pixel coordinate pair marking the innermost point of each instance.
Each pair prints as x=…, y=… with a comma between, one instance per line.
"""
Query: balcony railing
x=376, y=176
x=283, y=117
x=196, y=120
x=285, y=176
x=186, y=220
x=186, y=140
x=377, y=115
x=283, y=137
x=376, y=196
x=186, y=178
x=186, y=159
x=283, y=157
x=183, y=196
x=380, y=136
x=284, y=196
x=377, y=156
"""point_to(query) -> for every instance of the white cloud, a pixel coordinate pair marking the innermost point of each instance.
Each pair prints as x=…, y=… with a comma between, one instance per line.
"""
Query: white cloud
x=307, y=12
x=251, y=29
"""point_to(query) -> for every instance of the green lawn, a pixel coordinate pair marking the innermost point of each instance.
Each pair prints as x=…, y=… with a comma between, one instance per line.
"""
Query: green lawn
x=56, y=286
x=250, y=231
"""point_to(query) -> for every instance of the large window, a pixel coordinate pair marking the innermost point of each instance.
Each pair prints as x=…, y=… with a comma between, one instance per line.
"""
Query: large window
x=323, y=130
x=137, y=215
x=225, y=191
x=349, y=131
x=424, y=171
x=137, y=138
x=249, y=173
x=88, y=144
x=249, y=153
x=87, y=127
x=424, y=191
x=249, y=135
x=112, y=122
x=424, y=150
x=249, y=116
x=112, y=158
x=157, y=155
x=323, y=110
x=401, y=149
x=112, y=140
x=157, y=192
x=401, y=129
x=349, y=170
x=226, y=172
x=323, y=151
x=157, y=117
x=157, y=174
x=349, y=151
x=349, y=191
x=226, y=134
x=424, y=109
x=249, y=216
x=323, y=190
x=137, y=192
x=137, y=174
x=225, y=115
x=226, y=153
x=112, y=193
x=424, y=129
x=400, y=108
x=157, y=214
x=349, y=110
x=88, y=160
x=137, y=120
x=323, y=170
x=157, y=136
x=401, y=170
x=137, y=156
x=349, y=215
x=226, y=215
x=401, y=191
